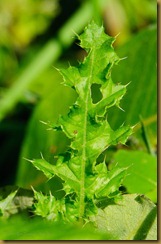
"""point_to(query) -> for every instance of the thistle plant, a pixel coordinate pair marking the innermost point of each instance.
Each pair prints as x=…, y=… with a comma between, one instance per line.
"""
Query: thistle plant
x=85, y=180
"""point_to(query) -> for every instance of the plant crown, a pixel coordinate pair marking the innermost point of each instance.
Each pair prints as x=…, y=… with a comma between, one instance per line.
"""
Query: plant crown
x=85, y=181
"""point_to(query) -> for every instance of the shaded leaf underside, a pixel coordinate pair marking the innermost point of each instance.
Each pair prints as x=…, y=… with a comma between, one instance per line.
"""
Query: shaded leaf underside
x=131, y=218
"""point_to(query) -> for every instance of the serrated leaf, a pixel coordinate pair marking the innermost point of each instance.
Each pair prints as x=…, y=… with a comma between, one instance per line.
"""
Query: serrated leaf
x=133, y=217
x=89, y=133
x=104, y=182
x=44, y=166
x=86, y=124
x=62, y=170
x=47, y=206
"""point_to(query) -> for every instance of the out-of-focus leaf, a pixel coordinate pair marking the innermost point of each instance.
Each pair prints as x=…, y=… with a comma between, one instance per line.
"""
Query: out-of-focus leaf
x=126, y=16
x=139, y=68
x=39, y=140
x=46, y=56
x=6, y=205
x=142, y=172
x=133, y=217
x=21, y=228
x=34, y=16
x=14, y=199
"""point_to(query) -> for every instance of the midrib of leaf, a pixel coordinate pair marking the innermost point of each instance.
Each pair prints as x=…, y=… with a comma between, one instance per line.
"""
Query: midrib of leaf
x=84, y=157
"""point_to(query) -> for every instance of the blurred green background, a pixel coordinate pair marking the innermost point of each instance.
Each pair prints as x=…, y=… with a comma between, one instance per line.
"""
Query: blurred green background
x=38, y=36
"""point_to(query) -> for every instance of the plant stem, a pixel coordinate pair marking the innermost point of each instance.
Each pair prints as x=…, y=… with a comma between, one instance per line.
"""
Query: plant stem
x=84, y=159
x=84, y=156
x=145, y=137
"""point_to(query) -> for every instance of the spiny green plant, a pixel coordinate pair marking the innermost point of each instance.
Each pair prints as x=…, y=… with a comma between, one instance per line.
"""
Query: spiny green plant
x=86, y=182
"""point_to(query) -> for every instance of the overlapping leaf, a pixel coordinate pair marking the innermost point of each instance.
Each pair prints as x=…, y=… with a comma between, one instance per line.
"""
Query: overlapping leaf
x=133, y=217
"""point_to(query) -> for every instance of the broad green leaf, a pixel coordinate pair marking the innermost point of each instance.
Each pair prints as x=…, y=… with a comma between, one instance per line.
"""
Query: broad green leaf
x=133, y=217
x=140, y=69
x=23, y=228
x=141, y=174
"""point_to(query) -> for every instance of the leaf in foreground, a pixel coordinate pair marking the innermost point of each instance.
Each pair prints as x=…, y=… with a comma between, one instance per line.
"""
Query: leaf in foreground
x=133, y=217
x=22, y=228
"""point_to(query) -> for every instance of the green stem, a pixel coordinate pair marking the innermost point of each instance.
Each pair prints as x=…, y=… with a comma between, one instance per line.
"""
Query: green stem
x=84, y=156
x=97, y=15
x=145, y=137
x=84, y=159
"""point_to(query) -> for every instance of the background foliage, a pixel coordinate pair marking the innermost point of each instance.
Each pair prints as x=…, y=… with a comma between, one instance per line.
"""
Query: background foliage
x=37, y=36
